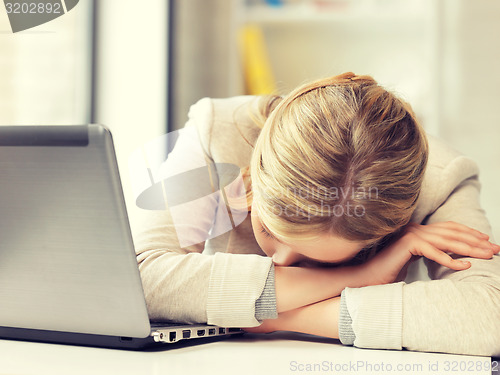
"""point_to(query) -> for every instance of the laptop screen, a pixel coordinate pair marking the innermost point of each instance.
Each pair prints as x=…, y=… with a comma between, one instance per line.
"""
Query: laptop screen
x=67, y=261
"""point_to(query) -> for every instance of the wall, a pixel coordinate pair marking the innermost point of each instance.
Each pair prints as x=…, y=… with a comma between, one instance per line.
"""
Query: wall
x=131, y=79
x=470, y=95
x=45, y=71
x=457, y=86
x=200, y=57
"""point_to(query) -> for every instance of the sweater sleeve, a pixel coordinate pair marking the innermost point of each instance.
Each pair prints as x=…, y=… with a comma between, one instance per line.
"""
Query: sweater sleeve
x=180, y=282
x=457, y=311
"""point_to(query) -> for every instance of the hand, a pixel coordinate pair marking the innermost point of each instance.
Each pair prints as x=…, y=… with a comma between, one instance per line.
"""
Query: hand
x=432, y=241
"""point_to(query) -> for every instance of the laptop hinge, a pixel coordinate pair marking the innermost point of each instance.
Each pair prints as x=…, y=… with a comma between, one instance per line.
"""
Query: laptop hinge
x=67, y=135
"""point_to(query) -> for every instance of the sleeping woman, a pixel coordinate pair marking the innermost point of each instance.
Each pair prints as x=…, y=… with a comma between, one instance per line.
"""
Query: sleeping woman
x=341, y=191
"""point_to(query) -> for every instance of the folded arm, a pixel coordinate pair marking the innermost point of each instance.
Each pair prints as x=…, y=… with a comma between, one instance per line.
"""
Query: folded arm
x=318, y=319
x=455, y=312
x=299, y=286
x=461, y=309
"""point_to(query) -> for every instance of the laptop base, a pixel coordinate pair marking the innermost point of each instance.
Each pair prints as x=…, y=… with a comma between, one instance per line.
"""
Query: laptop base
x=115, y=342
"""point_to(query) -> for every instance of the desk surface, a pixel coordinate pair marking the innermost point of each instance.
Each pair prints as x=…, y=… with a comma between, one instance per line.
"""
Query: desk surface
x=276, y=353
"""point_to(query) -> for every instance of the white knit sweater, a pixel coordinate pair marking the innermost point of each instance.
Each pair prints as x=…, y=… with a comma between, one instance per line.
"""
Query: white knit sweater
x=220, y=280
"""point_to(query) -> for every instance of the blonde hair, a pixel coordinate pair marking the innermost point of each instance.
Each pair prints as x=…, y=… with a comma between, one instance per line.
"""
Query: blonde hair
x=332, y=145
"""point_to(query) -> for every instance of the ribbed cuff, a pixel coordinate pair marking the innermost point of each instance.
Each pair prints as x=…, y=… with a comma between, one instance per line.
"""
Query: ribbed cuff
x=377, y=315
x=265, y=306
x=346, y=333
x=236, y=282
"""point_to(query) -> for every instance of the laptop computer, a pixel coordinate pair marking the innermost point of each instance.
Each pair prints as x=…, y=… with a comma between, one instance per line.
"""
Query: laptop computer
x=68, y=272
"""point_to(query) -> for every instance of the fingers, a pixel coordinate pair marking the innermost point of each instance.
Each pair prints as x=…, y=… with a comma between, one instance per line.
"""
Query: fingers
x=462, y=247
x=427, y=250
x=460, y=243
x=455, y=229
x=461, y=227
x=456, y=238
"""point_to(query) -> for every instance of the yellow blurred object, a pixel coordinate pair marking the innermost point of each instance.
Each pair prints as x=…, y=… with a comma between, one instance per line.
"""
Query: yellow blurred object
x=259, y=78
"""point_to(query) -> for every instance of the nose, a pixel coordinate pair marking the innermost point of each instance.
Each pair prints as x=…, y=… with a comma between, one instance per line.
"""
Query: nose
x=285, y=257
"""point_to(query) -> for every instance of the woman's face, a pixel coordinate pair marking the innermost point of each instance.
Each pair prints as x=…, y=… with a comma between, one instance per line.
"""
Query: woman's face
x=326, y=248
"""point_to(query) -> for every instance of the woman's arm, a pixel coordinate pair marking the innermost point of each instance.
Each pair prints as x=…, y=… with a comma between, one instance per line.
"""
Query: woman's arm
x=313, y=288
x=298, y=286
x=456, y=312
x=461, y=309
x=319, y=319
x=179, y=282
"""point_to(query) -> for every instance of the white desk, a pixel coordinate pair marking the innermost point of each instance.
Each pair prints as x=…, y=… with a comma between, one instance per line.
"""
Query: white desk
x=277, y=353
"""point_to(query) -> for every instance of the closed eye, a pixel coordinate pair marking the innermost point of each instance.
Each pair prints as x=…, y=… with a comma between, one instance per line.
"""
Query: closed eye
x=266, y=233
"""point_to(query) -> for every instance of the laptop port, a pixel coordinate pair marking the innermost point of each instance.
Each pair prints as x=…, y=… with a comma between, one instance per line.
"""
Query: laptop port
x=201, y=332
x=172, y=336
x=222, y=331
x=233, y=330
x=186, y=334
x=211, y=331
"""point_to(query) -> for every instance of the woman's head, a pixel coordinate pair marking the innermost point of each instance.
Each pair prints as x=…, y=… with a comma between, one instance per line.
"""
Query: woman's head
x=339, y=158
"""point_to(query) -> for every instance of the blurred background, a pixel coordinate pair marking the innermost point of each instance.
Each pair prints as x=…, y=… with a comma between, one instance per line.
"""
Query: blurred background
x=137, y=66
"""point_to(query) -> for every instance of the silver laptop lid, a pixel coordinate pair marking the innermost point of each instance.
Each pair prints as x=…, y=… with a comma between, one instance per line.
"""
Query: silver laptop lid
x=67, y=261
